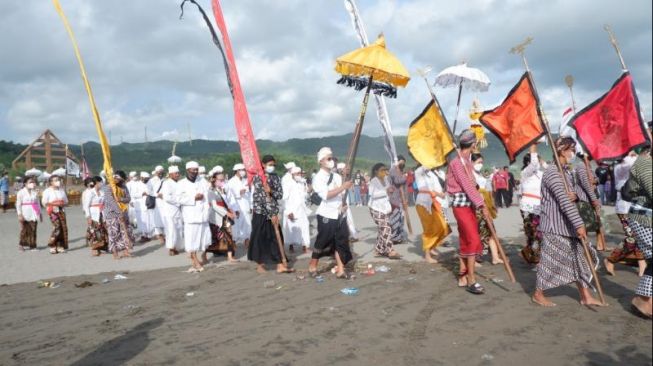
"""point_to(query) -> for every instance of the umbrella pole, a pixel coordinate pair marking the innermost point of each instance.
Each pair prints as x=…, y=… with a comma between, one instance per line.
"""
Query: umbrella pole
x=502, y=254
x=353, y=145
x=455, y=121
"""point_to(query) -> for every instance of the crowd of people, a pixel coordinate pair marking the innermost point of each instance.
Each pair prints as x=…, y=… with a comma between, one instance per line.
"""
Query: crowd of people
x=199, y=213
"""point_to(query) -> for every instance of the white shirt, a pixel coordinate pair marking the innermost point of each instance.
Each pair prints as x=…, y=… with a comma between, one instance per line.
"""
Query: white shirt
x=621, y=175
x=170, y=198
x=427, y=180
x=85, y=197
x=192, y=211
x=136, y=191
x=531, y=186
x=94, y=205
x=51, y=195
x=379, y=200
x=329, y=208
x=27, y=204
x=153, y=186
x=217, y=212
x=235, y=200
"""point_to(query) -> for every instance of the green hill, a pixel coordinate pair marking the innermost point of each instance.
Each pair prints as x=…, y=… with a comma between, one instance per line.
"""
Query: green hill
x=144, y=156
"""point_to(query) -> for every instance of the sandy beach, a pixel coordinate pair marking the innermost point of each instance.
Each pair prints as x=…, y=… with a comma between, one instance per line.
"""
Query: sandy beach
x=229, y=315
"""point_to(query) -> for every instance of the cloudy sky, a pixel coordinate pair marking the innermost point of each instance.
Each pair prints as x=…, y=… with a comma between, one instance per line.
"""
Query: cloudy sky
x=150, y=69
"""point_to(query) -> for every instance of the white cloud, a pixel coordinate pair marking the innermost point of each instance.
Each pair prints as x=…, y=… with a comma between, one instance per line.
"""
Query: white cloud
x=148, y=68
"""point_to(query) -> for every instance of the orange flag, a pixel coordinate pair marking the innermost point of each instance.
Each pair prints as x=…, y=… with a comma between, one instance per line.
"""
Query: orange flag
x=517, y=121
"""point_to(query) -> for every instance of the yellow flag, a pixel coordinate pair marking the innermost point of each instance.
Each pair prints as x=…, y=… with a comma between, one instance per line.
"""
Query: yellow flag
x=429, y=139
x=106, y=150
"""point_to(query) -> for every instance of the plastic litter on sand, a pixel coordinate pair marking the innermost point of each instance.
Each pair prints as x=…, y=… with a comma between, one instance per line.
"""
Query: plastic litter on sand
x=350, y=291
x=120, y=277
x=382, y=269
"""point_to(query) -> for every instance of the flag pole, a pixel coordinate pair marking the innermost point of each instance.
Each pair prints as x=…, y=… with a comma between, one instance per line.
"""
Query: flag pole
x=521, y=50
x=613, y=40
x=493, y=233
x=569, y=80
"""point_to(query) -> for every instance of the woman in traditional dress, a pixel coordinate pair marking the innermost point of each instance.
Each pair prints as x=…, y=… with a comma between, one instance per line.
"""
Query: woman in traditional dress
x=562, y=258
x=483, y=226
x=116, y=217
x=380, y=209
x=430, y=196
x=220, y=217
x=28, y=209
x=96, y=234
x=627, y=252
x=529, y=204
x=54, y=199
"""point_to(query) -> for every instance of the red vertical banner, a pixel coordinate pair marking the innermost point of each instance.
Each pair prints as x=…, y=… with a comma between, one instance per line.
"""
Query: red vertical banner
x=246, y=140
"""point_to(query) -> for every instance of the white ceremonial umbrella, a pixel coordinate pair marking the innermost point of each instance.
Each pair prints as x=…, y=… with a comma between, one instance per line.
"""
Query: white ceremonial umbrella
x=33, y=173
x=174, y=159
x=462, y=76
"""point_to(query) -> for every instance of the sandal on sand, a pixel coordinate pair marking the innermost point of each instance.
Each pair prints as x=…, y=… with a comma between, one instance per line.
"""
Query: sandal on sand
x=343, y=276
x=312, y=274
x=53, y=251
x=394, y=256
x=476, y=289
x=639, y=313
x=192, y=270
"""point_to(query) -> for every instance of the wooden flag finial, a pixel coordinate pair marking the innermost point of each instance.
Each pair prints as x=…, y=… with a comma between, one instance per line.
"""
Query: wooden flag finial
x=520, y=50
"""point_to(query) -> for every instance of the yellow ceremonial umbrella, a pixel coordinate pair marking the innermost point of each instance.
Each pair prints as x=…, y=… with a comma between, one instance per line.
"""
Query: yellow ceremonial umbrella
x=375, y=69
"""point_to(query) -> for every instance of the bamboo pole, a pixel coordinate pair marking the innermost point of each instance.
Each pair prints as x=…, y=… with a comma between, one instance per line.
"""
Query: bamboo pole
x=404, y=203
x=520, y=49
x=353, y=145
x=502, y=254
x=569, y=80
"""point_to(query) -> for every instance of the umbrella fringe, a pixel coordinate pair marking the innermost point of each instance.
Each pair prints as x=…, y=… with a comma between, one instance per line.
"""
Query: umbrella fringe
x=360, y=83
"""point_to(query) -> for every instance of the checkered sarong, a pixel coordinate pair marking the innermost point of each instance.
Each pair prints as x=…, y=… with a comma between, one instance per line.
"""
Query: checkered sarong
x=644, y=237
x=460, y=199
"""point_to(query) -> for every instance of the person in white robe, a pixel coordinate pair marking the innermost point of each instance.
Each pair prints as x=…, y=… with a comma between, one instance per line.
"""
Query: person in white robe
x=295, y=215
x=28, y=209
x=154, y=186
x=172, y=220
x=239, y=200
x=147, y=224
x=192, y=195
x=131, y=211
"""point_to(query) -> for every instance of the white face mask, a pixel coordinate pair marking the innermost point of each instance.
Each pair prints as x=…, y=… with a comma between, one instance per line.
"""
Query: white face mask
x=478, y=167
x=242, y=173
x=571, y=159
x=31, y=185
x=630, y=159
x=330, y=164
x=297, y=178
x=269, y=169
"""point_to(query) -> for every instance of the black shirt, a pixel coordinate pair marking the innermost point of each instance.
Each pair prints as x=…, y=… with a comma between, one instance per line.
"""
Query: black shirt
x=603, y=174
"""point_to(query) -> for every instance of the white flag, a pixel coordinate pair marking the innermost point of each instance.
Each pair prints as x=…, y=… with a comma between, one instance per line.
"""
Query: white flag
x=72, y=168
x=381, y=110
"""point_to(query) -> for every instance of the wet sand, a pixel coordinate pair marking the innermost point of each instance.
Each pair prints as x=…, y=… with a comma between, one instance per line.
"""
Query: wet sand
x=229, y=315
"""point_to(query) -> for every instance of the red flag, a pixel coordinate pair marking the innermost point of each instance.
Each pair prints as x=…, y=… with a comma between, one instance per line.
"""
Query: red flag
x=248, y=150
x=612, y=125
x=517, y=121
x=86, y=173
